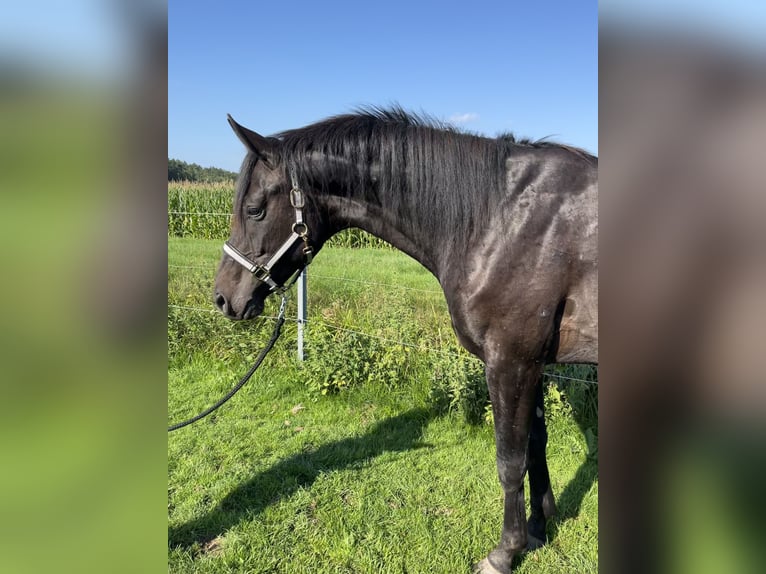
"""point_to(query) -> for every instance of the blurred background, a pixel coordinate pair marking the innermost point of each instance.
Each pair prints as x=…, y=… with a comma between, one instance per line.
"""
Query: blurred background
x=682, y=118
x=83, y=143
x=83, y=252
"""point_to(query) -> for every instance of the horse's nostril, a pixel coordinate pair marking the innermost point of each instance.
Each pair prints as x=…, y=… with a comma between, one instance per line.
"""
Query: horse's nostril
x=220, y=302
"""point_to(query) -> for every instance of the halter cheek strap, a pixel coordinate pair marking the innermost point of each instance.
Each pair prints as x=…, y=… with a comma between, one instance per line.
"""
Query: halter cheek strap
x=300, y=232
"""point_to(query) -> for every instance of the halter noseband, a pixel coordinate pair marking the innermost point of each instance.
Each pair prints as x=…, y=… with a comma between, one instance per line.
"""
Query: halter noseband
x=300, y=232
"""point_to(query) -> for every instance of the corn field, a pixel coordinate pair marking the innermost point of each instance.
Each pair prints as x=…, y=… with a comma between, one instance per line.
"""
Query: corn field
x=201, y=210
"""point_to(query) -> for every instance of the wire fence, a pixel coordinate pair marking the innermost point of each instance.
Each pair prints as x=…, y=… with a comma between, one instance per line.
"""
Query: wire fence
x=420, y=347
x=334, y=278
x=200, y=213
x=417, y=346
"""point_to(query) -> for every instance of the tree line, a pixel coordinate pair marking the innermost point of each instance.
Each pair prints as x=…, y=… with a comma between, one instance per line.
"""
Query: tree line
x=181, y=171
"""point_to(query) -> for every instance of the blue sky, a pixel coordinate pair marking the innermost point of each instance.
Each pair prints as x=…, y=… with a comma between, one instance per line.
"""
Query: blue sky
x=530, y=68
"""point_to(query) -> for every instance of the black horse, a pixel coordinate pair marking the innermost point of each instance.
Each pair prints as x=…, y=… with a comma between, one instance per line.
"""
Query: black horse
x=508, y=227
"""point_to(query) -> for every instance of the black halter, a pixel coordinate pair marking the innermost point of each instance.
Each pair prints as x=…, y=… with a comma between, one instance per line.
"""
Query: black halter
x=300, y=232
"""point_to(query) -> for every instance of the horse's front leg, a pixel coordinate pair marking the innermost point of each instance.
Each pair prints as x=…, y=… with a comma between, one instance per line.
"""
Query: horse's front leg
x=512, y=391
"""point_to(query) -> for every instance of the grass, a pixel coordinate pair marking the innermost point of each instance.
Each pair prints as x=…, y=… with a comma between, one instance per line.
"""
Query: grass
x=372, y=479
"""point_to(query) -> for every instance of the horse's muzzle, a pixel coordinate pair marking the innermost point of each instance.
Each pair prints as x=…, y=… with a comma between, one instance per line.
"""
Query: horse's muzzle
x=251, y=309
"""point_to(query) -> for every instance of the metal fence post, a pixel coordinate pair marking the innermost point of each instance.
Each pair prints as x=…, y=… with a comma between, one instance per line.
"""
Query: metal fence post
x=301, y=311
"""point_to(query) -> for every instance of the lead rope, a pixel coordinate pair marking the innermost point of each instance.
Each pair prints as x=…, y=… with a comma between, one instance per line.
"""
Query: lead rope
x=243, y=380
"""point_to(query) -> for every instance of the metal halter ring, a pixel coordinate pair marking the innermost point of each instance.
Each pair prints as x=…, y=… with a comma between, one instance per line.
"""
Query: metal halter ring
x=301, y=229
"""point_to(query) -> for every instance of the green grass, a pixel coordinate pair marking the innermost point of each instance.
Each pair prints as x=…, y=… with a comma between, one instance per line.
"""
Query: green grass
x=372, y=479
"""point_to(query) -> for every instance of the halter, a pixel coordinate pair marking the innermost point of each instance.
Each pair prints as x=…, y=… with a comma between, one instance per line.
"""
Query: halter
x=300, y=232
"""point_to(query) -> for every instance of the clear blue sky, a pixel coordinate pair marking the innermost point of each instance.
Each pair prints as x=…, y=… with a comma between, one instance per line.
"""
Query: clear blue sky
x=530, y=68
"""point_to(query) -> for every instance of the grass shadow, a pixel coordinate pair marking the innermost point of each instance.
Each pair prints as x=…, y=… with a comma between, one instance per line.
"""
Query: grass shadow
x=399, y=433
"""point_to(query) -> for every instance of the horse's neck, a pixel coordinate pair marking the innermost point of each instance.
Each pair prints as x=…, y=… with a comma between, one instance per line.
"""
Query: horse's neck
x=348, y=211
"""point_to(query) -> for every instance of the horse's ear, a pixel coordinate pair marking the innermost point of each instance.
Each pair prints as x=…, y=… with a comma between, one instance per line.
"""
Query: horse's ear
x=264, y=148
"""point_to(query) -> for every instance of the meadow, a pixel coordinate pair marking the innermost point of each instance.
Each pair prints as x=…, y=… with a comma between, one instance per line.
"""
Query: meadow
x=376, y=454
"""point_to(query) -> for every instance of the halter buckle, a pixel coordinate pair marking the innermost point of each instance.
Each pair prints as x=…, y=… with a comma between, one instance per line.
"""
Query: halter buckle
x=261, y=273
x=296, y=198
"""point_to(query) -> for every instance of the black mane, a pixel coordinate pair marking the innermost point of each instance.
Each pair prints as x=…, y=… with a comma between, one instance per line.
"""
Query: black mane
x=411, y=163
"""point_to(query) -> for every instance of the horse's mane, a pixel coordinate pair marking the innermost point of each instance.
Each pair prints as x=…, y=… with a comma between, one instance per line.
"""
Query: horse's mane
x=424, y=169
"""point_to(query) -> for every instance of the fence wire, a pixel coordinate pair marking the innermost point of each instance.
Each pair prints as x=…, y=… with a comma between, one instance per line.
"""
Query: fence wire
x=417, y=346
x=334, y=278
x=199, y=213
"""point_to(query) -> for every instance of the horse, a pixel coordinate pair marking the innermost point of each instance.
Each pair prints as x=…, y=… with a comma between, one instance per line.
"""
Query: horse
x=508, y=226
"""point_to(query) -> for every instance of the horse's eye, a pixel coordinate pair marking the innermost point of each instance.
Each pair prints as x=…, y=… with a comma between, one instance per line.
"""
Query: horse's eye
x=255, y=212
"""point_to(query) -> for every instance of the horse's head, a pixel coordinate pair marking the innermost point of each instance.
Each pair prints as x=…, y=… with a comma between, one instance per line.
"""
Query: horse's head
x=273, y=230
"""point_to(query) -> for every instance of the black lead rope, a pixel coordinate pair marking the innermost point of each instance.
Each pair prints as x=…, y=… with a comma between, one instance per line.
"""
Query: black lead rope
x=243, y=380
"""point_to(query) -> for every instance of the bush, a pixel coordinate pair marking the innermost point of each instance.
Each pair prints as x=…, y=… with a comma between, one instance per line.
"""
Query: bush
x=339, y=359
x=458, y=384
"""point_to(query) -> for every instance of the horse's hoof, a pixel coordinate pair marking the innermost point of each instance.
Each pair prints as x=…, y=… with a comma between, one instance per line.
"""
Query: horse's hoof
x=486, y=567
x=533, y=542
x=535, y=532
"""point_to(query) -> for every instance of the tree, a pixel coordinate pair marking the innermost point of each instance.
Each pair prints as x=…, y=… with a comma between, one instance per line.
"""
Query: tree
x=181, y=171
